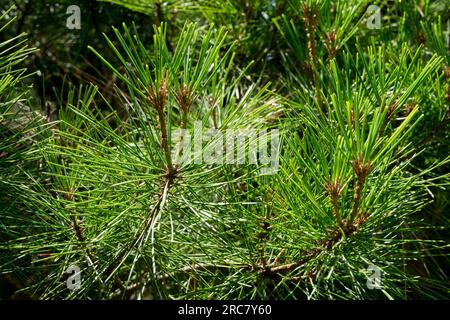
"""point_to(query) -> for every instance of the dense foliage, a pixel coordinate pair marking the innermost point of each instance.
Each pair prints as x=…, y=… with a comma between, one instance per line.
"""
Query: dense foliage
x=95, y=202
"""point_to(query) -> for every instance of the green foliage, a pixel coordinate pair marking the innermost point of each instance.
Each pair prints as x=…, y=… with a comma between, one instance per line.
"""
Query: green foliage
x=363, y=156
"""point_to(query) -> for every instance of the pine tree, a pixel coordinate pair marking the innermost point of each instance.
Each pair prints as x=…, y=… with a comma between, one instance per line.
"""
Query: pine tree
x=100, y=204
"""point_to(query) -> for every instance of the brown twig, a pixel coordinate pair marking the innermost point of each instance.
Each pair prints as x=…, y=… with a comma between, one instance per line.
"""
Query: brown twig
x=334, y=190
x=310, y=19
x=330, y=44
x=157, y=98
x=362, y=169
x=184, y=98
